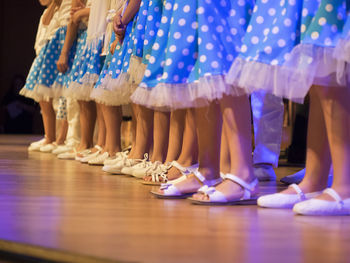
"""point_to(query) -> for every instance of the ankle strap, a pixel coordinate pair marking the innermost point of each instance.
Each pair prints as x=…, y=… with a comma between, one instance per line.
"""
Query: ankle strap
x=250, y=187
x=299, y=191
x=201, y=178
x=334, y=195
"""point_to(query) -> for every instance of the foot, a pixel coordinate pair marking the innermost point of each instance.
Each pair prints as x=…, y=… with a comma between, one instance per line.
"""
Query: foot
x=329, y=203
x=232, y=189
x=287, y=198
x=185, y=186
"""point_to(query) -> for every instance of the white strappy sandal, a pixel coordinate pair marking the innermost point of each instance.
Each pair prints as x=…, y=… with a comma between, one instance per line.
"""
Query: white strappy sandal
x=170, y=190
x=318, y=207
x=162, y=177
x=280, y=200
x=218, y=198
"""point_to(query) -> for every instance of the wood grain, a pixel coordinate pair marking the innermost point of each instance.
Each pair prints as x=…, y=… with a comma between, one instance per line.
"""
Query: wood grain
x=70, y=207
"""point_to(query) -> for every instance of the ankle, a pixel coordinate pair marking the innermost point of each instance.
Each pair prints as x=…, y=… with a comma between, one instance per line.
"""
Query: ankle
x=210, y=173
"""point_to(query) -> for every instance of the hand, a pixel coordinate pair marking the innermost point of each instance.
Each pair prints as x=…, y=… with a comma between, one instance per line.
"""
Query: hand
x=118, y=26
x=62, y=63
x=80, y=5
x=113, y=46
x=77, y=17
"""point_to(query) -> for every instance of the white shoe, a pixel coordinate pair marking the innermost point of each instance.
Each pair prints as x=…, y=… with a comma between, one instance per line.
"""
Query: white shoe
x=62, y=149
x=85, y=153
x=139, y=170
x=99, y=159
x=128, y=169
x=35, y=146
x=279, y=200
x=48, y=148
x=90, y=156
x=70, y=155
x=113, y=160
x=317, y=207
x=125, y=162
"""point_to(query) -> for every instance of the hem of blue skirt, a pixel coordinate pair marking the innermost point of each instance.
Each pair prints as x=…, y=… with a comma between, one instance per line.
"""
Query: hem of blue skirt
x=113, y=92
x=169, y=97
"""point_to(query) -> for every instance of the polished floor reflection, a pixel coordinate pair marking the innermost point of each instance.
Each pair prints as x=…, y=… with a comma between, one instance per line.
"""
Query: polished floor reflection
x=77, y=208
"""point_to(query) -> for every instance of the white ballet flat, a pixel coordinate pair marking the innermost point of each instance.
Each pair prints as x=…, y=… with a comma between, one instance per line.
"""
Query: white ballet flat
x=279, y=200
x=218, y=198
x=170, y=191
x=317, y=207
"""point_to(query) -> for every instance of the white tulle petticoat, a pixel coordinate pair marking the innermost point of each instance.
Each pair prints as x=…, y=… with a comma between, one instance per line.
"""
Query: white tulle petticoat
x=78, y=91
x=168, y=97
x=113, y=92
x=308, y=65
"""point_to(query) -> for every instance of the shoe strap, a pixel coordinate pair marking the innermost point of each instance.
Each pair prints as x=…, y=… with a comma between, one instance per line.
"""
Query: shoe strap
x=248, y=187
x=334, y=195
x=98, y=147
x=300, y=192
x=201, y=178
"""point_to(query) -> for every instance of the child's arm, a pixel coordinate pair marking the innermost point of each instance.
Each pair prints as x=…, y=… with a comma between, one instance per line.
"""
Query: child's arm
x=120, y=22
x=50, y=11
x=72, y=29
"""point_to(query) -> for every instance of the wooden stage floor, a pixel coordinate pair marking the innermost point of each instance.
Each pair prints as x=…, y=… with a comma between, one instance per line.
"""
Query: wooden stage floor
x=69, y=212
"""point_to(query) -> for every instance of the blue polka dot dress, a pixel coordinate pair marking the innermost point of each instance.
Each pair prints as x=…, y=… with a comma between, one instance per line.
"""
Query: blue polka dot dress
x=314, y=57
x=285, y=46
x=195, y=46
x=114, y=88
x=45, y=71
x=272, y=33
x=29, y=89
x=147, y=28
x=86, y=68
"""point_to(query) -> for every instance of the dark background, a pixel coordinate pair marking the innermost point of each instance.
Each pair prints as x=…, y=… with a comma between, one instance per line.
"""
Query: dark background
x=18, y=25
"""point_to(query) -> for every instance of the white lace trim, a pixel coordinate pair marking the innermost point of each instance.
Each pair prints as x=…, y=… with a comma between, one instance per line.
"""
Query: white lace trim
x=79, y=91
x=308, y=64
x=167, y=97
x=113, y=92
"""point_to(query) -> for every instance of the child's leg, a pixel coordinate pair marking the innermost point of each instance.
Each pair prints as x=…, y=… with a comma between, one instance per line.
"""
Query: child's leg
x=318, y=154
x=160, y=136
x=144, y=133
x=61, y=137
x=225, y=162
x=237, y=127
x=87, y=123
x=209, y=123
x=101, y=126
x=49, y=120
x=113, y=119
x=336, y=111
x=177, y=123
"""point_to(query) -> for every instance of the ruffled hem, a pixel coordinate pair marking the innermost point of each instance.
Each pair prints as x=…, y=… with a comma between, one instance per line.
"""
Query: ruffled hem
x=253, y=76
x=32, y=94
x=342, y=54
x=78, y=91
x=168, y=97
x=136, y=70
x=48, y=92
x=113, y=92
x=308, y=65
